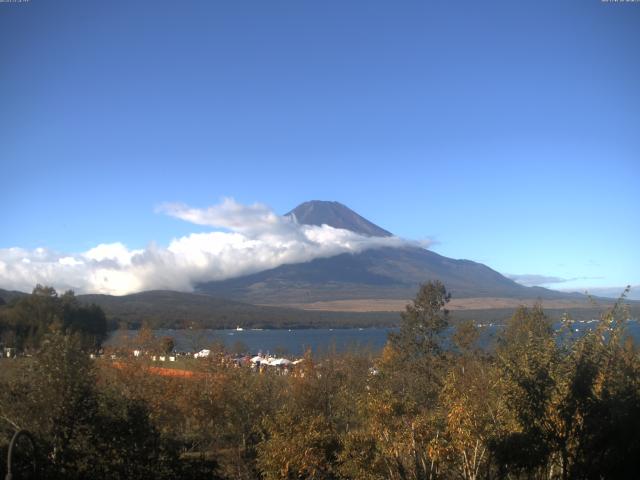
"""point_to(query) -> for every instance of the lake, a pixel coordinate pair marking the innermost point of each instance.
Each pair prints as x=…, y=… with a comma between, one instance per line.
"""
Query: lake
x=293, y=342
x=296, y=341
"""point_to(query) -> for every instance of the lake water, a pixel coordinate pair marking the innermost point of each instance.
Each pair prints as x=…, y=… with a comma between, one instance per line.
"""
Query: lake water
x=295, y=342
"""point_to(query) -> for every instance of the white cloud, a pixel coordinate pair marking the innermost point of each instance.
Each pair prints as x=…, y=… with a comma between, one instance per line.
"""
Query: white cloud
x=610, y=292
x=115, y=252
x=534, y=279
x=254, y=219
x=257, y=239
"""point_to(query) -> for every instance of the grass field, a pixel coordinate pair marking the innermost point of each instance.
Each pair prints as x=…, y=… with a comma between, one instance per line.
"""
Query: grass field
x=479, y=303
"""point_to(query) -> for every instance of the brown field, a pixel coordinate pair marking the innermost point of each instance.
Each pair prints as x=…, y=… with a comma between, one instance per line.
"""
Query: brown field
x=162, y=371
x=391, y=305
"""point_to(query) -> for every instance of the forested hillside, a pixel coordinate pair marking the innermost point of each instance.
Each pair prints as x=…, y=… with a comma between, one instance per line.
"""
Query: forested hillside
x=167, y=309
x=26, y=319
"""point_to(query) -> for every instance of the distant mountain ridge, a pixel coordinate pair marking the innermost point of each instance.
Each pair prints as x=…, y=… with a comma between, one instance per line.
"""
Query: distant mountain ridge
x=380, y=273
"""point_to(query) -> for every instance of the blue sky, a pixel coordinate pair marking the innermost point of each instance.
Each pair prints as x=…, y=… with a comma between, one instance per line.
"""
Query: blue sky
x=509, y=132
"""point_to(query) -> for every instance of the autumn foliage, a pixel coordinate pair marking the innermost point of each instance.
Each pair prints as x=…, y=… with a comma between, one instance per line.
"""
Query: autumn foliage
x=543, y=403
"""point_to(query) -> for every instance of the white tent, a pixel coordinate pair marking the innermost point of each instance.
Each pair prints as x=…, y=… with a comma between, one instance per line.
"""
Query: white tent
x=202, y=353
x=280, y=361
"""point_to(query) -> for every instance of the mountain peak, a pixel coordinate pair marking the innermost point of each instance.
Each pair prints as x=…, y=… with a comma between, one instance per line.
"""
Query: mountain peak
x=337, y=215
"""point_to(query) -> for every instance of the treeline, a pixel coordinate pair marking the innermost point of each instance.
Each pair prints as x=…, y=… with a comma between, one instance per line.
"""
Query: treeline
x=26, y=319
x=543, y=404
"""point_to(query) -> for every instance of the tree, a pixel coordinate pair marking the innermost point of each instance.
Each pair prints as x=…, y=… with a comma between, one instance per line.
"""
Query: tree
x=574, y=404
x=55, y=400
x=423, y=321
x=89, y=321
x=85, y=428
x=166, y=345
x=527, y=361
x=413, y=363
x=303, y=438
x=401, y=402
x=470, y=406
x=31, y=317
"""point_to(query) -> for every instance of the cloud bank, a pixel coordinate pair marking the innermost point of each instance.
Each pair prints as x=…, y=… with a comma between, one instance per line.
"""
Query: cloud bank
x=255, y=239
x=609, y=292
x=533, y=280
